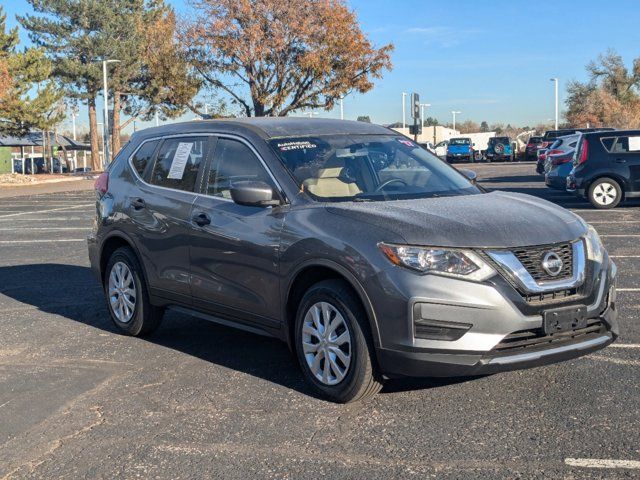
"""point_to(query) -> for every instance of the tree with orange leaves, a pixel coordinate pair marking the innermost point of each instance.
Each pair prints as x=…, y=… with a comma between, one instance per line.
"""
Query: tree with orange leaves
x=273, y=57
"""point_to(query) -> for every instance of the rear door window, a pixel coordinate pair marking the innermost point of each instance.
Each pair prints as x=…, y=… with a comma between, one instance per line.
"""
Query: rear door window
x=626, y=144
x=178, y=163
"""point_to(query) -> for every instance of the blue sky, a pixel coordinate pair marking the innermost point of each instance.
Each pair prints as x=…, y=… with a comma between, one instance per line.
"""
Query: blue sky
x=491, y=60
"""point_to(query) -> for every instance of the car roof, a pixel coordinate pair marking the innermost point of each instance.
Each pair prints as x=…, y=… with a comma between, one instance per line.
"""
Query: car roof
x=270, y=127
x=612, y=133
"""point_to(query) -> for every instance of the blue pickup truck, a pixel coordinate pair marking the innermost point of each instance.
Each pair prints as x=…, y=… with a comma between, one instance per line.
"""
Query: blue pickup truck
x=460, y=149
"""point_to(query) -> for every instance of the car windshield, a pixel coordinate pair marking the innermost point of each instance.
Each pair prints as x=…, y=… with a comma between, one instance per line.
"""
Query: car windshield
x=459, y=141
x=368, y=167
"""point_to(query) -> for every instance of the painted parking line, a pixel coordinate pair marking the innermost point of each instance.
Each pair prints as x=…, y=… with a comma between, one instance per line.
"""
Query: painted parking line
x=627, y=289
x=55, y=240
x=2, y=217
x=29, y=229
x=617, y=361
x=620, y=235
x=602, y=463
x=598, y=222
x=624, y=256
x=624, y=345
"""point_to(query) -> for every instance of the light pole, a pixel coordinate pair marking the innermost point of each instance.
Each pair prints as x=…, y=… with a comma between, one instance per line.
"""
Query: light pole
x=422, y=105
x=157, y=119
x=311, y=114
x=105, y=92
x=74, y=114
x=341, y=109
x=555, y=81
x=104, y=143
x=454, y=113
x=404, y=110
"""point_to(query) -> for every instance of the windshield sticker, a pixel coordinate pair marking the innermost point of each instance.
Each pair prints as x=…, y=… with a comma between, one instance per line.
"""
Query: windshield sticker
x=299, y=145
x=180, y=160
x=408, y=143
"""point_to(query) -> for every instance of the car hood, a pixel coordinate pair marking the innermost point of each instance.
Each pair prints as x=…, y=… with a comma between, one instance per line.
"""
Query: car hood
x=496, y=219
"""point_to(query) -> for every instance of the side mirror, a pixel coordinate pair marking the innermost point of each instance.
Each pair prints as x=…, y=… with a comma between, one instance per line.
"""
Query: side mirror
x=470, y=174
x=253, y=194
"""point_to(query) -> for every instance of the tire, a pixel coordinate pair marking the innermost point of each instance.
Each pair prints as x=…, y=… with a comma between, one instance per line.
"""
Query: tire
x=141, y=319
x=352, y=381
x=605, y=193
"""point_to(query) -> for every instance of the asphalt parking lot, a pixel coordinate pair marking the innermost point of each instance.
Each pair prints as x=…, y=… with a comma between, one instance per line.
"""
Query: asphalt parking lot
x=79, y=400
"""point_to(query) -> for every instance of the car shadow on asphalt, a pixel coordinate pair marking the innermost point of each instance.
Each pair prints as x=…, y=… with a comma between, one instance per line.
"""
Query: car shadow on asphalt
x=53, y=289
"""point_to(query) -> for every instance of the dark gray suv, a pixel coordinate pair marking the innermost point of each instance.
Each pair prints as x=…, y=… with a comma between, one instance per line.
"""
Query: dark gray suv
x=368, y=255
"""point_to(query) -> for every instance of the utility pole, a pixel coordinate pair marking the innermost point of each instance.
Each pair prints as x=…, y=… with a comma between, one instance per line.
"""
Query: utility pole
x=454, y=113
x=555, y=81
x=404, y=110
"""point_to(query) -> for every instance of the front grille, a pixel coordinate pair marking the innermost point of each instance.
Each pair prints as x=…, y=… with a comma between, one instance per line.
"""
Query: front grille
x=528, y=339
x=531, y=259
x=551, y=297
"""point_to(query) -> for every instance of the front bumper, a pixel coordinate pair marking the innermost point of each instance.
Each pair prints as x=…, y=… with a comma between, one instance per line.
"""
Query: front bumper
x=481, y=350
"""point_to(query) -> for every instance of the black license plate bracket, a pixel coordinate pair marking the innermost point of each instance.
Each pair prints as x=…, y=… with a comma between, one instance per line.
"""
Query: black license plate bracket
x=564, y=319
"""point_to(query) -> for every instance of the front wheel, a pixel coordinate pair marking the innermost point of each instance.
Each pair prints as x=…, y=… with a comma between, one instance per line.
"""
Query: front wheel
x=333, y=343
x=127, y=295
x=605, y=193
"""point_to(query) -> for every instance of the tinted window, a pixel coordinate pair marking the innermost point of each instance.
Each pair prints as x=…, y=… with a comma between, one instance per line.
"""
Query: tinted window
x=178, y=162
x=626, y=145
x=233, y=162
x=368, y=167
x=142, y=157
x=608, y=142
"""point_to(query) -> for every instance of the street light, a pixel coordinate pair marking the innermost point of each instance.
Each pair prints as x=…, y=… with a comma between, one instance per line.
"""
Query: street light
x=105, y=93
x=454, y=113
x=341, y=109
x=404, y=110
x=555, y=81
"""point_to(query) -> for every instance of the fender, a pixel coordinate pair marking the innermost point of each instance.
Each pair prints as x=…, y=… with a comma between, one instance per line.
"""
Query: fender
x=351, y=279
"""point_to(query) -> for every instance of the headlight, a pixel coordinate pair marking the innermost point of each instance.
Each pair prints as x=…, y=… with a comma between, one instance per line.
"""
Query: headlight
x=595, y=250
x=453, y=263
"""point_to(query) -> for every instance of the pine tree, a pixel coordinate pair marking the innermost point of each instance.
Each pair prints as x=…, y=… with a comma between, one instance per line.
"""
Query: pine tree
x=28, y=99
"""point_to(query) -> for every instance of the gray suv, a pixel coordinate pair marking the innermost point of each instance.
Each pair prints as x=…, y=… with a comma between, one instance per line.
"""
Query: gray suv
x=368, y=255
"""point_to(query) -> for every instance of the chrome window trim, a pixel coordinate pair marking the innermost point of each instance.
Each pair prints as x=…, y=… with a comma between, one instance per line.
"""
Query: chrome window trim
x=510, y=263
x=208, y=134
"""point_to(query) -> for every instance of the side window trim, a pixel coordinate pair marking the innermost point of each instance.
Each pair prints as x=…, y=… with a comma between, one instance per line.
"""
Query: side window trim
x=149, y=168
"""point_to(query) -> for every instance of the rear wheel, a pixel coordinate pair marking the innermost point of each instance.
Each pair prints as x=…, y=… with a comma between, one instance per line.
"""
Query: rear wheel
x=333, y=343
x=605, y=193
x=127, y=295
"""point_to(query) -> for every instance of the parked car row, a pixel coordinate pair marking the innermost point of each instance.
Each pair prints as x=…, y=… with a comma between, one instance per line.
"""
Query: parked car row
x=601, y=165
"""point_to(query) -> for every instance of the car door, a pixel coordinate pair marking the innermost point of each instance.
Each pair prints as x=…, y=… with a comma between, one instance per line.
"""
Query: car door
x=625, y=154
x=160, y=211
x=234, y=248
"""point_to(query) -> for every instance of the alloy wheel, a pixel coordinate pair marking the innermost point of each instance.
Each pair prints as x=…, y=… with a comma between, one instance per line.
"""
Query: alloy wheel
x=122, y=292
x=326, y=343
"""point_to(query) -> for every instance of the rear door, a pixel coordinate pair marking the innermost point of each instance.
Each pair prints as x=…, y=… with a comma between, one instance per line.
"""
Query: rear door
x=624, y=158
x=234, y=253
x=160, y=211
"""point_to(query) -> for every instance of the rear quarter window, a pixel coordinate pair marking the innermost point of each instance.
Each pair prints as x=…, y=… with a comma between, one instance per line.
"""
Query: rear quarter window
x=144, y=156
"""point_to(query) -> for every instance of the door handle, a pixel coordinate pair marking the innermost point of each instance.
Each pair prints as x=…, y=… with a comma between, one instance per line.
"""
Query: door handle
x=138, y=204
x=620, y=160
x=201, y=219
